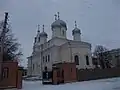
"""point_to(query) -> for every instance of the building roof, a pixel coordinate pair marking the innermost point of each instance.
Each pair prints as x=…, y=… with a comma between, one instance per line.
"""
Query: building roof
x=42, y=34
x=59, y=23
x=76, y=30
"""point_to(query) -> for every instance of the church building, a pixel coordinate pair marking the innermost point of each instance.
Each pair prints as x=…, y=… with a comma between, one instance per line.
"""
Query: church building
x=58, y=49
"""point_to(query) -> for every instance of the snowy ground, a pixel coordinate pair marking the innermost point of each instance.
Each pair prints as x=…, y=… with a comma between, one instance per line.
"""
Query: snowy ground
x=104, y=84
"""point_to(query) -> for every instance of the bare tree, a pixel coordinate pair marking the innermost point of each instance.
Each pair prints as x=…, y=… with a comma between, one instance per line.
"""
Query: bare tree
x=102, y=54
x=99, y=49
x=11, y=46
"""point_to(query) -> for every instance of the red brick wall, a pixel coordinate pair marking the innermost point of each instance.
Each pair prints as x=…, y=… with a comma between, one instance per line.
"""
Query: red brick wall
x=92, y=74
x=19, y=79
x=14, y=76
x=10, y=81
x=69, y=72
x=54, y=76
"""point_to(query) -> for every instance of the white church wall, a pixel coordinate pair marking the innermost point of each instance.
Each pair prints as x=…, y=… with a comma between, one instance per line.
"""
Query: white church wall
x=69, y=51
x=59, y=32
x=82, y=52
x=59, y=41
x=54, y=57
x=54, y=41
x=36, y=65
x=43, y=40
x=77, y=37
x=29, y=70
x=47, y=63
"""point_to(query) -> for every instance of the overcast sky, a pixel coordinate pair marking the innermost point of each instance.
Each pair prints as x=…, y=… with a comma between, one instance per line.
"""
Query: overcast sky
x=99, y=20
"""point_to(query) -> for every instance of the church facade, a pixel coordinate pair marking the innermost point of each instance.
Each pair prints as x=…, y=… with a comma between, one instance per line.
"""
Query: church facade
x=58, y=49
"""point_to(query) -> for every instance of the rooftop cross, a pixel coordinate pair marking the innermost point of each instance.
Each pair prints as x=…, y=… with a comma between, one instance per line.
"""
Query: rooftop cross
x=75, y=24
x=43, y=27
x=55, y=17
x=38, y=28
x=58, y=15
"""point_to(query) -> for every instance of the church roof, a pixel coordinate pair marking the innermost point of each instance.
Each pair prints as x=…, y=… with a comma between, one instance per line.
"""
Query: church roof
x=42, y=34
x=58, y=23
x=76, y=30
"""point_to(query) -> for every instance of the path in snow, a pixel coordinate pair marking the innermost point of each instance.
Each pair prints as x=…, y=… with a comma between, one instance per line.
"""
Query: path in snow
x=104, y=84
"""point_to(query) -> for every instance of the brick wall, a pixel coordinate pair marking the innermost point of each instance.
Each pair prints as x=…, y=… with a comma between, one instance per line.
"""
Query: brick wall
x=11, y=76
x=64, y=72
x=69, y=72
x=92, y=74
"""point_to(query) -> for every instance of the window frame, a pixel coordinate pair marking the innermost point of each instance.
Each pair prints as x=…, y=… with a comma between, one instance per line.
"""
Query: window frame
x=87, y=60
x=76, y=59
x=48, y=58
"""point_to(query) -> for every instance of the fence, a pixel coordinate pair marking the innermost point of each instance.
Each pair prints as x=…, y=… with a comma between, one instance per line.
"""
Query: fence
x=92, y=74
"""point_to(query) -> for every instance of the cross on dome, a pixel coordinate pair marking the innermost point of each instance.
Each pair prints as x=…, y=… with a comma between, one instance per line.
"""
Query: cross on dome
x=38, y=28
x=58, y=15
x=43, y=27
x=75, y=24
x=55, y=16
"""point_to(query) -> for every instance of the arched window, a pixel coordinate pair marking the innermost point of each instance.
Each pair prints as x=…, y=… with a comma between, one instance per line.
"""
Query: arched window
x=33, y=66
x=87, y=60
x=43, y=59
x=48, y=58
x=76, y=58
x=39, y=39
x=35, y=39
x=45, y=68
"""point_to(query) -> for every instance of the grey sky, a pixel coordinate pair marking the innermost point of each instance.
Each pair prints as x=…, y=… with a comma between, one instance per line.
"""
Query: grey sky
x=99, y=20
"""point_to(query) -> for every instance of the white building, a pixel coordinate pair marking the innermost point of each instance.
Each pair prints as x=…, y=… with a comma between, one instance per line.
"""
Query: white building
x=58, y=49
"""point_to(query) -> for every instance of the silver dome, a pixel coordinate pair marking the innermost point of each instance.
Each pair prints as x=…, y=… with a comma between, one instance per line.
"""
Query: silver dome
x=59, y=23
x=43, y=34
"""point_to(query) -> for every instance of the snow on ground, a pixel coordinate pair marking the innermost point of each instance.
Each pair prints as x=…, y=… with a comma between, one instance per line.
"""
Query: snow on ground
x=104, y=84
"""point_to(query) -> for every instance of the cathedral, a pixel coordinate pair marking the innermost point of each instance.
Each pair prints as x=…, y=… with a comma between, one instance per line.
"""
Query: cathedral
x=58, y=49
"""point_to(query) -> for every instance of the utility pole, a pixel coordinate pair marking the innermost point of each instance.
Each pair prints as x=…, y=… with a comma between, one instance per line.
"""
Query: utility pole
x=2, y=37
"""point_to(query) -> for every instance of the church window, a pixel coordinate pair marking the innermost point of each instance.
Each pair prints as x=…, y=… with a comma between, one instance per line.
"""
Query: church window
x=39, y=39
x=43, y=59
x=33, y=66
x=87, y=60
x=35, y=39
x=48, y=58
x=63, y=32
x=45, y=68
x=76, y=58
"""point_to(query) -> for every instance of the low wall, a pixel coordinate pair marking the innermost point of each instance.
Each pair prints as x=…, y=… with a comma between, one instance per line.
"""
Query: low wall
x=92, y=74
